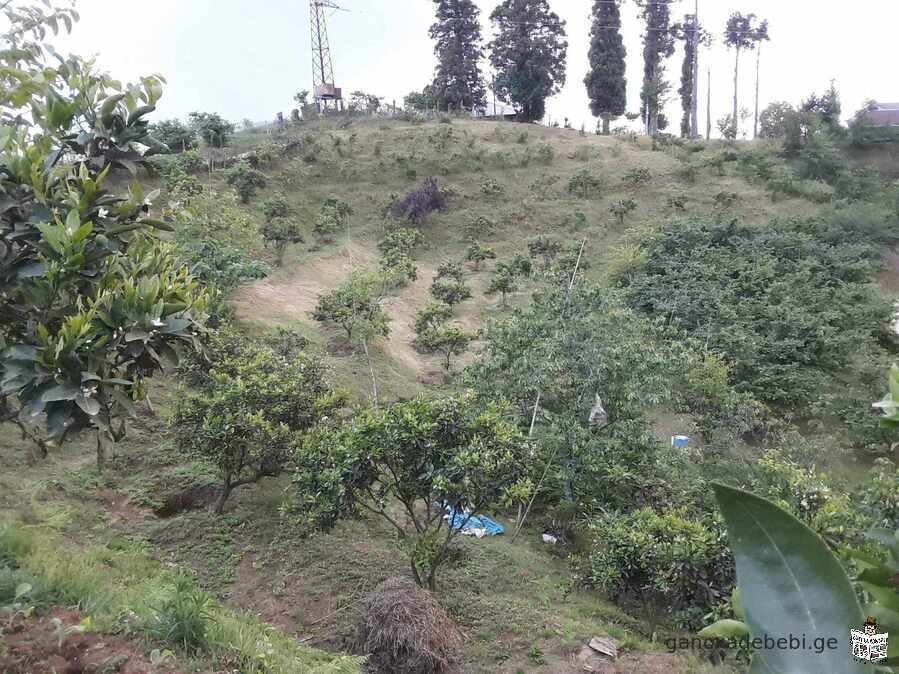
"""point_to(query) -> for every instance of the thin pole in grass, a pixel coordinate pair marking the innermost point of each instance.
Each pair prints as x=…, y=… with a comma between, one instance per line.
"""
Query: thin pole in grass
x=523, y=517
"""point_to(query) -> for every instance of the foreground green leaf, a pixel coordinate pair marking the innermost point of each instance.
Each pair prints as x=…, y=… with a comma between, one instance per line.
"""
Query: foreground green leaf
x=791, y=585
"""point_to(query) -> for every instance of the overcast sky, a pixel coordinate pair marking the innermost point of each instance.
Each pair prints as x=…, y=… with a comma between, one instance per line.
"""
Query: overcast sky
x=246, y=59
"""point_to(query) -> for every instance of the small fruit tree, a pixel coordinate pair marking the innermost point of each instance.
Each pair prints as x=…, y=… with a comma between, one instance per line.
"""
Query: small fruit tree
x=420, y=453
x=92, y=304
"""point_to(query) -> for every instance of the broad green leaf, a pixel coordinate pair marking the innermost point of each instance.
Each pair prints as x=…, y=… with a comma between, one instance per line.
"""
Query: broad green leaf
x=725, y=629
x=64, y=391
x=791, y=585
x=22, y=589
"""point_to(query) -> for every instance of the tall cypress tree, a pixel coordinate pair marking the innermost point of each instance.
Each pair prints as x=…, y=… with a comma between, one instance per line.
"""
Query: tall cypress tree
x=658, y=45
x=457, y=79
x=693, y=37
x=528, y=54
x=606, y=82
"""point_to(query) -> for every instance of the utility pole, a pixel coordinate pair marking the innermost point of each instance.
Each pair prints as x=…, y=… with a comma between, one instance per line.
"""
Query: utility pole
x=708, y=114
x=694, y=113
x=323, y=89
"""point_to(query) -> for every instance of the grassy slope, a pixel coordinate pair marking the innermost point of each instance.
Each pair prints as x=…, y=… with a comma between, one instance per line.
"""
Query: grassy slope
x=377, y=163
x=513, y=601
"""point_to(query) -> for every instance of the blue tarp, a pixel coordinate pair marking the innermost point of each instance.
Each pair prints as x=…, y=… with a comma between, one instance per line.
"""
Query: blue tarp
x=475, y=523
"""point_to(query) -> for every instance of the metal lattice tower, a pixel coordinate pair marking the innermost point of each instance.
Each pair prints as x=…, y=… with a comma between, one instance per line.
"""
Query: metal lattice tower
x=323, y=89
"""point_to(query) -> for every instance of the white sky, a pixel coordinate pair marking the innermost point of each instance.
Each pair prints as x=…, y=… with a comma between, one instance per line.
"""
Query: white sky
x=246, y=59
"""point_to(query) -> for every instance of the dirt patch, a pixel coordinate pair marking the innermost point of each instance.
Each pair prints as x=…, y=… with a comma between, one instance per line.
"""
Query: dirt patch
x=31, y=646
x=632, y=663
x=193, y=498
x=251, y=591
x=121, y=510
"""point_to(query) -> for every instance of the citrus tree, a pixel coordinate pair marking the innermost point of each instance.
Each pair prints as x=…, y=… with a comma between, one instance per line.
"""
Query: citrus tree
x=423, y=454
x=245, y=417
x=92, y=304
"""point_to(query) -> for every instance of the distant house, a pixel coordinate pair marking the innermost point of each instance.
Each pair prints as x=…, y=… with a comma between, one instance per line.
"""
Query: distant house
x=883, y=114
x=496, y=110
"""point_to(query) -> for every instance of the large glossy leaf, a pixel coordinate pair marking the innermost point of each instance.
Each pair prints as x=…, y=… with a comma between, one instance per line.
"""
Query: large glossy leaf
x=791, y=585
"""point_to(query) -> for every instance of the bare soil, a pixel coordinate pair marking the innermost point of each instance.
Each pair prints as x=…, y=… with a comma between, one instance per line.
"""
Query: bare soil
x=31, y=646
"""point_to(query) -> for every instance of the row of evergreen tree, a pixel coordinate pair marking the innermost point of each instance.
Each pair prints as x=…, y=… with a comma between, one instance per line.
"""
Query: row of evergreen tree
x=529, y=51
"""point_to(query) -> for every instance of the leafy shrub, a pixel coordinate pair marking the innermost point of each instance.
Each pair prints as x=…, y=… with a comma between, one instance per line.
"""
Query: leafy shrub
x=449, y=284
x=280, y=232
x=792, y=274
x=447, y=339
x=432, y=316
x=396, y=254
x=544, y=247
x=404, y=631
x=585, y=185
x=178, y=137
x=245, y=180
x=637, y=177
x=477, y=254
x=542, y=186
x=215, y=131
x=356, y=307
x=333, y=217
x=491, y=188
x=621, y=209
x=659, y=558
x=478, y=226
x=452, y=451
x=418, y=204
x=184, y=618
x=275, y=207
x=245, y=420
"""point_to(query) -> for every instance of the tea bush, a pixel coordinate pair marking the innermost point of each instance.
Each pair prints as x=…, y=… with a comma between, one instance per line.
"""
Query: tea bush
x=585, y=185
x=665, y=559
x=245, y=180
x=332, y=218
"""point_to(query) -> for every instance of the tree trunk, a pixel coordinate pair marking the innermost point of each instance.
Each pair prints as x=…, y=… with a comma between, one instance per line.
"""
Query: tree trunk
x=708, y=111
x=736, y=82
x=219, y=507
x=415, y=575
x=606, y=123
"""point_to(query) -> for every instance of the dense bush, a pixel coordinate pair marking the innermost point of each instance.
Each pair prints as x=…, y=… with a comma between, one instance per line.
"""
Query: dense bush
x=275, y=207
x=418, y=453
x=418, y=204
x=662, y=559
x=397, y=248
x=333, y=217
x=356, y=306
x=246, y=418
x=215, y=131
x=637, y=177
x=787, y=304
x=92, y=303
x=477, y=254
x=585, y=185
x=245, y=180
x=279, y=233
x=449, y=283
x=178, y=137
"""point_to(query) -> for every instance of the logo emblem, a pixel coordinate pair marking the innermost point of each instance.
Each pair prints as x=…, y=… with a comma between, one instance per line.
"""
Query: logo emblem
x=867, y=644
